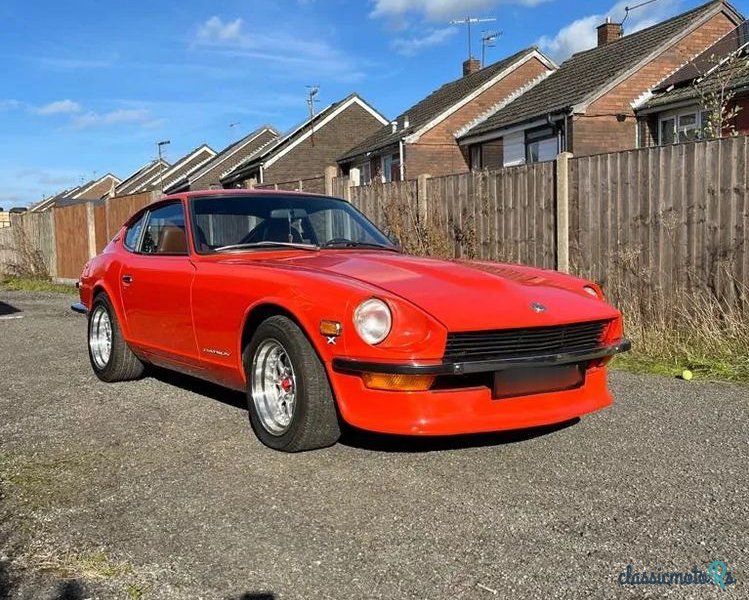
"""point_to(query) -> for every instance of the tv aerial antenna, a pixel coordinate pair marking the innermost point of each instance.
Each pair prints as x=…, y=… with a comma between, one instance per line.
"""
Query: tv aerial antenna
x=312, y=92
x=487, y=41
x=468, y=21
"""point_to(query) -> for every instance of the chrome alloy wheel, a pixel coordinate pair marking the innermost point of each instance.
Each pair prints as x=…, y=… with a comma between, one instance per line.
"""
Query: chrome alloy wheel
x=100, y=337
x=273, y=387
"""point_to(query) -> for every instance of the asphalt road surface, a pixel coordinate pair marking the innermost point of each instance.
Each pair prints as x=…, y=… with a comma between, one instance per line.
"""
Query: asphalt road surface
x=158, y=489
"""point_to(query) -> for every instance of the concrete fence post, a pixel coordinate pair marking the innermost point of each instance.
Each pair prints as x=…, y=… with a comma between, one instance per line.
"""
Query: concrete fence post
x=422, y=196
x=330, y=174
x=53, y=243
x=91, y=227
x=563, y=211
x=348, y=183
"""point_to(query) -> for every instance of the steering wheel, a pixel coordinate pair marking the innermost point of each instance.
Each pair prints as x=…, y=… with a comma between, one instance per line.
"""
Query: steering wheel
x=338, y=241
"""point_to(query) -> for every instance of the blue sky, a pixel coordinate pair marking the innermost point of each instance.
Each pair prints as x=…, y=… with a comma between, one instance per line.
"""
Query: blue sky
x=91, y=86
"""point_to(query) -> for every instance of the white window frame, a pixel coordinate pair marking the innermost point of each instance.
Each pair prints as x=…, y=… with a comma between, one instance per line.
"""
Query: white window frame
x=366, y=173
x=676, y=115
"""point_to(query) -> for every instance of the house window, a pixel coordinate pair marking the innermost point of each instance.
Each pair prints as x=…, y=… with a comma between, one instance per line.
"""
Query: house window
x=476, y=159
x=390, y=168
x=684, y=126
x=366, y=173
x=541, y=145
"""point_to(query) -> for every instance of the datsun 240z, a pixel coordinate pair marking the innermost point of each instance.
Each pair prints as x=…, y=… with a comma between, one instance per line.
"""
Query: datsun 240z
x=302, y=303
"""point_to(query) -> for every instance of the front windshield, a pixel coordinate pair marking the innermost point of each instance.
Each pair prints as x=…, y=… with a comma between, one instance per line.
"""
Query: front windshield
x=225, y=223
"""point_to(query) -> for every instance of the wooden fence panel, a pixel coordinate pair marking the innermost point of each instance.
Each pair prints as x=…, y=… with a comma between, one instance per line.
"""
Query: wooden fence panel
x=121, y=208
x=100, y=220
x=72, y=240
x=663, y=220
x=29, y=238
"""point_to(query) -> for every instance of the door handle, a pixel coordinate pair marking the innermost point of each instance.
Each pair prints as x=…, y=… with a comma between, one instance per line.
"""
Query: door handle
x=127, y=279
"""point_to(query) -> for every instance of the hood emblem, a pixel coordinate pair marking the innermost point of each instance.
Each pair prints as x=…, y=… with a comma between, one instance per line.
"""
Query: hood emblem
x=538, y=307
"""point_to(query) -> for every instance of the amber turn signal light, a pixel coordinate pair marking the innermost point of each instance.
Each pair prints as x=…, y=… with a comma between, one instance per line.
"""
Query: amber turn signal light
x=331, y=328
x=398, y=382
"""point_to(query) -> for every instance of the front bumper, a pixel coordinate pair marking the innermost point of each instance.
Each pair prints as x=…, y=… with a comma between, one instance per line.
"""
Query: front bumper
x=470, y=409
x=356, y=367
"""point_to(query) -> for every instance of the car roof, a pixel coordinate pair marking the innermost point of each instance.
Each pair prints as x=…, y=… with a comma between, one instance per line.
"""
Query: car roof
x=242, y=192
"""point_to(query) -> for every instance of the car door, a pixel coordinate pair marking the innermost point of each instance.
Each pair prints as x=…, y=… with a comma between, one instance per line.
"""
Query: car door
x=156, y=282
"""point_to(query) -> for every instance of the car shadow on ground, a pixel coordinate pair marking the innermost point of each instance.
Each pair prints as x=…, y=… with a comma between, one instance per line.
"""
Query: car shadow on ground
x=380, y=442
x=198, y=386
x=7, y=309
x=367, y=440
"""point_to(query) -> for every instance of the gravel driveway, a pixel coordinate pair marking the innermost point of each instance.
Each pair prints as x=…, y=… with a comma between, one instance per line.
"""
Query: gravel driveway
x=158, y=489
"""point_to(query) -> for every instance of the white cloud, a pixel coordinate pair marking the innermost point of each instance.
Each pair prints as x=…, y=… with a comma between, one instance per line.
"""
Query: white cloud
x=413, y=45
x=581, y=34
x=292, y=54
x=441, y=9
x=59, y=107
x=215, y=30
x=10, y=104
x=136, y=116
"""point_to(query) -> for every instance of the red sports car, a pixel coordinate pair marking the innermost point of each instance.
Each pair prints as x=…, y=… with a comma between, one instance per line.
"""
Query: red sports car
x=302, y=303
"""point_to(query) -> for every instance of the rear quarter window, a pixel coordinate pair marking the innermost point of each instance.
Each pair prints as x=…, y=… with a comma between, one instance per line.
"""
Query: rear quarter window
x=133, y=233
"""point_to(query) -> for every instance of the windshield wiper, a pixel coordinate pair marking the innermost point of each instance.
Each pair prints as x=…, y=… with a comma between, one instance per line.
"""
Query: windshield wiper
x=267, y=244
x=352, y=244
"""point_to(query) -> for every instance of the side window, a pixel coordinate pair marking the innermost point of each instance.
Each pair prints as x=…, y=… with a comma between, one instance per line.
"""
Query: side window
x=133, y=233
x=165, y=231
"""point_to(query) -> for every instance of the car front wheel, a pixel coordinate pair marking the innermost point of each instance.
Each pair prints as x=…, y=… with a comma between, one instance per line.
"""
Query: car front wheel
x=111, y=357
x=289, y=398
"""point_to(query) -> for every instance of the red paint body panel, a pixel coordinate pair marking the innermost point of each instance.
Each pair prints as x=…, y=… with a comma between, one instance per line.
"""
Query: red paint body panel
x=189, y=312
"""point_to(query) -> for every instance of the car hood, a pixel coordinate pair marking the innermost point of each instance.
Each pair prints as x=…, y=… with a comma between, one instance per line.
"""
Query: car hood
x=468, y=295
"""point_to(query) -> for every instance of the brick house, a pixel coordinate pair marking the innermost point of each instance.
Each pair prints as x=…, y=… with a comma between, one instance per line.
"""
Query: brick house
x=675, y=111
x=96, y=188
x=209, y=174
x=304, y=152
x=422, y=139
x=91, y=190
x=161, y=179
x=145, y=173
x=587, y=105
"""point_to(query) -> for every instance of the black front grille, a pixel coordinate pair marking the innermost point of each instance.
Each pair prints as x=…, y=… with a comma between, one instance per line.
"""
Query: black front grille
x=518, y=343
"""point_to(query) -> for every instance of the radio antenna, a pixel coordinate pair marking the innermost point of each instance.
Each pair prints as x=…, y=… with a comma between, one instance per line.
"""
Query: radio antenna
x=312, y=91
x=468, y=21
x=487, y=41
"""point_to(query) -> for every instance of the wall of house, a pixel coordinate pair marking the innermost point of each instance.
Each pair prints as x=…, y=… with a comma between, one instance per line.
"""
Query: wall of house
x=598, y=130
x=594, y=135
x=349, y=128
x=211, y=178
x=437, y=152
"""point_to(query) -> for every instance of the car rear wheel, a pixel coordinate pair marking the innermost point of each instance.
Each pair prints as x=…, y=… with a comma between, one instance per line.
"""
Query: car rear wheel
x=111, y=357
x=289, y=398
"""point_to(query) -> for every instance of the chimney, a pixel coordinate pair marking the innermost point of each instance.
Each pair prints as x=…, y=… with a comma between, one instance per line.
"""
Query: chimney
x=608, y=32
x=471, y=66
x=406, y=122
x=394, y=126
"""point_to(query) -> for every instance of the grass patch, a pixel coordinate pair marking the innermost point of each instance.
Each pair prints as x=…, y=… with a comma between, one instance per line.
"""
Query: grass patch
x=686, y=329
x=92, y=566
x=31, y=284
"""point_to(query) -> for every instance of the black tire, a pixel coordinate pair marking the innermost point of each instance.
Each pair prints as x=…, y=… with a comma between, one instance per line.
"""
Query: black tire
x=122, y=364
x=314, y=422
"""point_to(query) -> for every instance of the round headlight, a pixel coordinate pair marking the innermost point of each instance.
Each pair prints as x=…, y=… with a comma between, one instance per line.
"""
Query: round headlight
x=373, y=320
x=592, y=291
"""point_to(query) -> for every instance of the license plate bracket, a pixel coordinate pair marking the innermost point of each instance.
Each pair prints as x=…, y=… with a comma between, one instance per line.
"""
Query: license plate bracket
x=524, y=381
